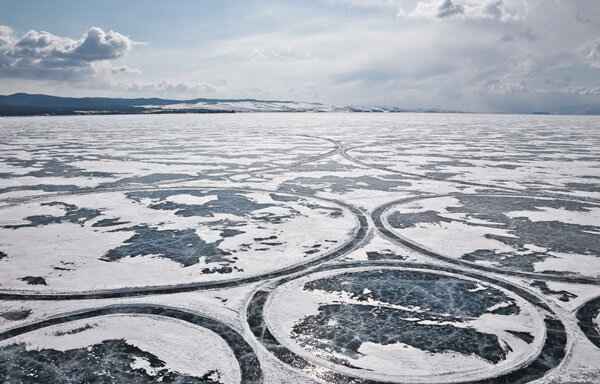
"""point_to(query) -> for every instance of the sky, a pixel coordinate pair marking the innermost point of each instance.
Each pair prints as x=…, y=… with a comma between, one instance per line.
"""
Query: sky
x=509, y=56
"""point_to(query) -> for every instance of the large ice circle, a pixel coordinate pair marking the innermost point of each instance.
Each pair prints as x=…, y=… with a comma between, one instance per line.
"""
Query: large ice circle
x=120, y=348
x=504, y=232
x=589, y=320
x=164, y=237
x=405, y=325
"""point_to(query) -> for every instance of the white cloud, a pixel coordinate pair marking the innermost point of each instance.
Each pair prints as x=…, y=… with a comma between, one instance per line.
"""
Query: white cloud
x=484, y=55
x=593, y=55
x=123, y=69
x=98, y=45
x=6, y=35
x=582, y=91
x=501, y=10
x=368, y=3
x=503, y=87
x=286, y=53
x=42, y=55
x=176, y=88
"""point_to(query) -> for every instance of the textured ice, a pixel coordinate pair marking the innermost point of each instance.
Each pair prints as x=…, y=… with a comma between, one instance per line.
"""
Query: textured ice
x=500, y=231
x=416, y=319
x=336, y=248
x=164, y=237
x=108, y=362
x=119, y=349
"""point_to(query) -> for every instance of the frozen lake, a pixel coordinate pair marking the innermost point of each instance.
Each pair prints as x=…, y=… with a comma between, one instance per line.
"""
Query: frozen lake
x=300, y=247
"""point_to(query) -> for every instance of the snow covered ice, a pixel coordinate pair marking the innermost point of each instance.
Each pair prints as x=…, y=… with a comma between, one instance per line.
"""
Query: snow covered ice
x=300, y=248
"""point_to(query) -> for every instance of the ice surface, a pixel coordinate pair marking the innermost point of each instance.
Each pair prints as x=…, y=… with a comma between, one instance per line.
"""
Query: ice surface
x=131, y=348
x=96, y=240
x=513, y=232
x=315, y=218
x=416, y=324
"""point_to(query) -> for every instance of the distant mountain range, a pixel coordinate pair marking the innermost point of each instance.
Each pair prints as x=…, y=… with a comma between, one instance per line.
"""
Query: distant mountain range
x=23, y=104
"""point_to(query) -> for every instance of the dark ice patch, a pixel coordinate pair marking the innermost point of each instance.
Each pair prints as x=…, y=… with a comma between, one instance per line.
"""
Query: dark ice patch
x=340, y=184
x=444, y=164
x=44, y=188
x=228, y=202
x=313, y=249
x=106, y=362
x=181, y=246
x=55, y=168
x=344, y=328
x=277, y=197
x=562, y=295
x=333, y=211
x=586, y=187
x=521, y=262
x=385, y=254
x=16, y=315
x=228, y=232
x=73, y=214
x=505, y=166
x=109, y=222
x=34, y=280
x=74, y=330
x=431, y=292
x=272, y=237
x=555, y=236
x=440, y=299
x=221, y=269
x=296, y=188
x=441, y=175
x=499, y=205
x=147, y=179
x=525, y=336
x=411, y=219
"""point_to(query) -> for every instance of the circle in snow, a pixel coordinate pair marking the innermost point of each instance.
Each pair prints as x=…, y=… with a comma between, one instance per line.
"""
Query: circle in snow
x=589, y=320
x=165, y=237
x=135, y=344
x=502, y=232
x=403, y=324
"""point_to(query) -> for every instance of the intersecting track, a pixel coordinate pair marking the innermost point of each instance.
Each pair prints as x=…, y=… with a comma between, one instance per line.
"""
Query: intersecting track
x=377, y=217
x=550, y=356
x=358, y=236
x=249, y=363
x=133, y=186
x=344, y=153
x=552, y=353
x=586, y=315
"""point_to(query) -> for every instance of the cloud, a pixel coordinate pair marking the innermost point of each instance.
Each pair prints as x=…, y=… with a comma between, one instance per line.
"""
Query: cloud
x=503, y=87
x=6, y=38
x=526, y=34
x=98, y=45
x=176, y=88
x=593, y=55
x=476, y=55
x=582, y=18
x=367, y=3
x=42, y=55
x=123, y=69
x=260, y=54
x=276, y=53
x=447, y=9
x=500, y=10
x=6, y=35
x=583, y=90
